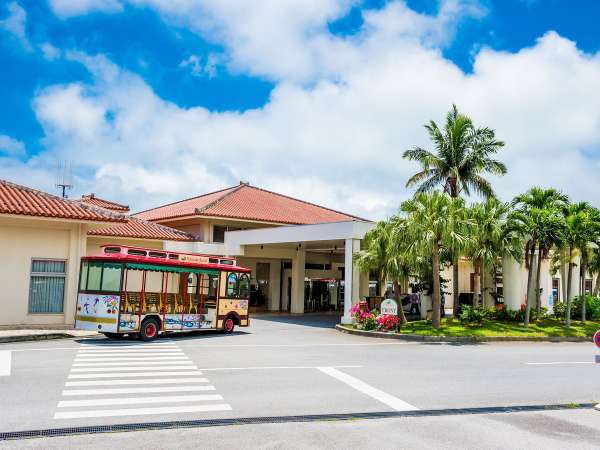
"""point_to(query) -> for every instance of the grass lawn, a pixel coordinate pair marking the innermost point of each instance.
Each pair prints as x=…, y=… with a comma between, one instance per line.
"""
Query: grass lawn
x=542, y=328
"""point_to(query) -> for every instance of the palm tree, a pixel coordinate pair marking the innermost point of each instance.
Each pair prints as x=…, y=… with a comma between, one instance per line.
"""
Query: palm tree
x=434, y=221
x=538, y=218
x=577, y=234
x=594, y=268
x=462, y=154
x=491, y=237
x=382, y=255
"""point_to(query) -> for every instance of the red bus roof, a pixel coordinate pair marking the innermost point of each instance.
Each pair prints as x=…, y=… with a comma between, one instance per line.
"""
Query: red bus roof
x=140, y=255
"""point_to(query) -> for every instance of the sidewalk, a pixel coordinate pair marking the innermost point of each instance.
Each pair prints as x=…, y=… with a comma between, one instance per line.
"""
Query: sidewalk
x=28, y=334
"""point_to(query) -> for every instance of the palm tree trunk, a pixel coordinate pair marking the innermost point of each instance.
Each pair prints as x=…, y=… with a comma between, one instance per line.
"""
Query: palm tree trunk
x=437, y=294
x=398, y=301
x=597, y=285
x=382, y=286
x=529, y=277
x=538, y=303
x=583, y=301
x=455, y=292
x=482, y=283
x=569, y=281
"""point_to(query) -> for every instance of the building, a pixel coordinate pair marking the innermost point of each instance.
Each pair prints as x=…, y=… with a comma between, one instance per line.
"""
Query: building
x=43, y=238
x=300, y=253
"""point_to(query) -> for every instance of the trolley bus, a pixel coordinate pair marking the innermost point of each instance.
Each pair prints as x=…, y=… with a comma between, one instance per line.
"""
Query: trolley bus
x=147, y=292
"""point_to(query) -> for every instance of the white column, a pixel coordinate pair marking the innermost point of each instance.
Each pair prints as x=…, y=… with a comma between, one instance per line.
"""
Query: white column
x=351, y=279
x=512, y=280
x=274, y=285
x=575, y=278
x=298, y=263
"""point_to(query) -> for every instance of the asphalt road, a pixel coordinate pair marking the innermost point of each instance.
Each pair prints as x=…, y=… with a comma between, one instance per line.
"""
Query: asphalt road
x=287, y=366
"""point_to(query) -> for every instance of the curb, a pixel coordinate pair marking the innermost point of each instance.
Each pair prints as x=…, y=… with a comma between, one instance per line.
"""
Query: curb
x=38, y=337
x=467, y=339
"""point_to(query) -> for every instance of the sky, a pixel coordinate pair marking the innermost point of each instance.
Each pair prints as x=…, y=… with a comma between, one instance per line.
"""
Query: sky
x=153, y=101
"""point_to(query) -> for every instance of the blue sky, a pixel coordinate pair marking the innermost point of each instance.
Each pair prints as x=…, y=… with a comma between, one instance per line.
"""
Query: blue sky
x=205, y=59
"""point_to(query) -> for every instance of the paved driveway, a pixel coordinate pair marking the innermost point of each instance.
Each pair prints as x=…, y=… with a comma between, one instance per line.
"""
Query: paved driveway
x=280, y=366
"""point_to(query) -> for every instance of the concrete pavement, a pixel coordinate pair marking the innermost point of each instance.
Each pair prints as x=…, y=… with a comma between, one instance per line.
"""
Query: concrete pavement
x=577, y=429
x=281, y=365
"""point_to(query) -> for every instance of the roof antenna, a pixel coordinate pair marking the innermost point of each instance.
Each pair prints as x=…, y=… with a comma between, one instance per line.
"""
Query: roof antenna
x=64, y=177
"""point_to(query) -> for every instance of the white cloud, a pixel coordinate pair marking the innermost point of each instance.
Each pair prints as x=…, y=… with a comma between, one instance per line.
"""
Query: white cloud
x=70, y=8
x=198, y=68
x=50, y=52
x=15, y=23
x=10, y=146
x=338, y=140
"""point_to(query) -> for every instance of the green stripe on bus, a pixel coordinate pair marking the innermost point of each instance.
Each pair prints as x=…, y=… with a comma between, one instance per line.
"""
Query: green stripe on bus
x=159, y=268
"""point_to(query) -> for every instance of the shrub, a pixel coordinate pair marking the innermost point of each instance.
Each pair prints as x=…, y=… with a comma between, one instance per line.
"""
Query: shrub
x=474, y=314
x=360, y=312
x=369, y=322
x=592, y=307
x=559, y=310
x=388, y=322
x=511, y=315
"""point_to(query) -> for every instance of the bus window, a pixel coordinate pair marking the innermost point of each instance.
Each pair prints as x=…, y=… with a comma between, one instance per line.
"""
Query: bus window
x=192, y=283
x=244, y=286
x=94, y=276
x=232, y=286
x=213, y=281
x=83, y=276
x=111, y=278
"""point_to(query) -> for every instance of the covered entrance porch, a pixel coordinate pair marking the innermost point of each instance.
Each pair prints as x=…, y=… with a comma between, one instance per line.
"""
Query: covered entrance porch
x=303, y=268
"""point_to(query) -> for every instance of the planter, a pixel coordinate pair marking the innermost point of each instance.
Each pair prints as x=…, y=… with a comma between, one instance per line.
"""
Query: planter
x=465, y=339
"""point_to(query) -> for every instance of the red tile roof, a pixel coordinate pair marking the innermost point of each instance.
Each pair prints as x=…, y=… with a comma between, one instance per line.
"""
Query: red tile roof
x=247, y=202
x=91, y=199
x=24, y=201
x=143, y=229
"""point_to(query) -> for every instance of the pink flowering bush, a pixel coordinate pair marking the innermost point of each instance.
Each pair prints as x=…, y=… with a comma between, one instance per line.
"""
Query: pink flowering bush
x=363, y=318
x=388, y=322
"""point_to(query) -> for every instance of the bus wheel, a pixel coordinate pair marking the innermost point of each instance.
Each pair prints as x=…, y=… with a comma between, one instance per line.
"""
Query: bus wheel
x=114, y=335
x=228, y=325
x=149, y=330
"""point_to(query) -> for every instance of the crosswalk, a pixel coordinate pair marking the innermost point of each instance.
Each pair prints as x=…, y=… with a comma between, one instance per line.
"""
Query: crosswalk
x=119, y=379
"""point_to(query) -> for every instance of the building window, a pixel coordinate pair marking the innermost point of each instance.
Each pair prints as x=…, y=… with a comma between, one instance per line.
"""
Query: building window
x=555, y=289
x=47, y=286
x=219, y=232
x=588, y=286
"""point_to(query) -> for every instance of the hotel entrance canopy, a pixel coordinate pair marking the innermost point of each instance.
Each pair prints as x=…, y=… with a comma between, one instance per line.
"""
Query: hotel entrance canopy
x=292, y=242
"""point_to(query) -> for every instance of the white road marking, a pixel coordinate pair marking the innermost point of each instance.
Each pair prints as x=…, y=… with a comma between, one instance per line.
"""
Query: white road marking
x=134, y=382
x=128, y=349
x=139, y=400
x=138, y=354
x=140, y=358
x=361, y=386
x=133, y=374
x=131, y=363
x=5, y=363
x=558, y=362
x=208, y=369
x=141, y=411
x=145, y=390
x=129, y=368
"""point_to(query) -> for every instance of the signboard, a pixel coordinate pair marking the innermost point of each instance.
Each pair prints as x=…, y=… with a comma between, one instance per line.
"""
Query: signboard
x=193, y=258
x=597, y=338
x=389, y=306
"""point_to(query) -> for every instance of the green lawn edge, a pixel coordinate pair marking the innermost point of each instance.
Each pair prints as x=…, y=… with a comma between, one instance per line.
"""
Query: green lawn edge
x=549, y=328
